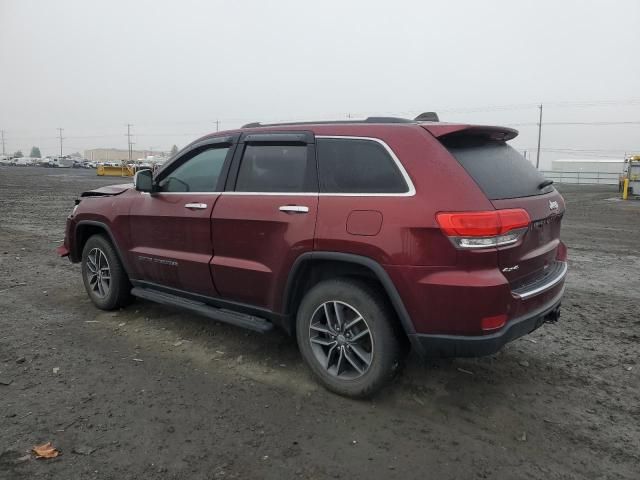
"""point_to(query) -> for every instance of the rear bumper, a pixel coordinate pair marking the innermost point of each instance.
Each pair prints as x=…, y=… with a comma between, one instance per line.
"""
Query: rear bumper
x=428, y=345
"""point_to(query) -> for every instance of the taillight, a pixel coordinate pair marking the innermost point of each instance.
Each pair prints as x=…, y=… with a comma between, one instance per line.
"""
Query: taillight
x=484, y=229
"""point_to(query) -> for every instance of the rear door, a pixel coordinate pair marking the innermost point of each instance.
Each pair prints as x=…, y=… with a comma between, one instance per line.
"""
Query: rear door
x=510, y=181
x=266, y=217
x=171, y=229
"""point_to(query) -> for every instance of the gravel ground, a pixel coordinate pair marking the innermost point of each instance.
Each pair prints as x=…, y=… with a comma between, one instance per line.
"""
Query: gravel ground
x=154, y=393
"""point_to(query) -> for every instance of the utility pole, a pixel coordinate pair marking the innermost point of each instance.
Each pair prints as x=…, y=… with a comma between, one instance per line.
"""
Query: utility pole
x=217, y=125
x=60, y=130
x=539, y=136
x=129, y=141
x=2, y=132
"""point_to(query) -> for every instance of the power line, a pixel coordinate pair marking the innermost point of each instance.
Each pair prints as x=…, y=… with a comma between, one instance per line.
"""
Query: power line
x=603, y=123
x=523, y=106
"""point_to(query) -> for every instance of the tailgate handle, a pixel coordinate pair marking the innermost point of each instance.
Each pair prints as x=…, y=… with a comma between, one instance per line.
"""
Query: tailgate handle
x=198, y=206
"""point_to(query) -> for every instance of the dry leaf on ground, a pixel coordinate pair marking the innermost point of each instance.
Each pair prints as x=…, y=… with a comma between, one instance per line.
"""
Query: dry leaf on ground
x=45, y=451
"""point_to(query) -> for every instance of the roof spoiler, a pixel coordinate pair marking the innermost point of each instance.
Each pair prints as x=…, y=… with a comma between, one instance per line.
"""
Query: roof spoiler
x=445, y=131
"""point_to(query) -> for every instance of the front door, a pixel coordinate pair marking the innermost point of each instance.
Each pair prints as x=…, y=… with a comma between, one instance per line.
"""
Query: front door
x=266, y=217
x=171, y=229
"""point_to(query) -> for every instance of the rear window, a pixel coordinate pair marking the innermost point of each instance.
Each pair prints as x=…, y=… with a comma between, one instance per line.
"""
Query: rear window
x=498, y=169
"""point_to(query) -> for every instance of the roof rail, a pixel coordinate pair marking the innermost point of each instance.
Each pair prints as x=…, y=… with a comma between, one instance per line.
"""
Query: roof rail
x=332, y=122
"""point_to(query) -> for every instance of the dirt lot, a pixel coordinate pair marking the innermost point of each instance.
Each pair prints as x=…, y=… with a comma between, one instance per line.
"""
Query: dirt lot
x=153, y=393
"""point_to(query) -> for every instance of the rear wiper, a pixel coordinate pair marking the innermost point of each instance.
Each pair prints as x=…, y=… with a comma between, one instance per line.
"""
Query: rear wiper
x=546, y=183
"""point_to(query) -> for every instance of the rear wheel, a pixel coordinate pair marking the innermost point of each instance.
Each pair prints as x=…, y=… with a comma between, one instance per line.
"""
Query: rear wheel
x=346, y=336
x=103, y=275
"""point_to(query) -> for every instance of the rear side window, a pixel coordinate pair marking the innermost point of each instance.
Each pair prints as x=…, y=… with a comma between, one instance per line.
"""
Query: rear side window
x=498, y=169
x=357, y=166
x=273, y=168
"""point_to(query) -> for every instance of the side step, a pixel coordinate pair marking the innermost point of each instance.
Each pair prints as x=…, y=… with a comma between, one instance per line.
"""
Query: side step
x=250, y=322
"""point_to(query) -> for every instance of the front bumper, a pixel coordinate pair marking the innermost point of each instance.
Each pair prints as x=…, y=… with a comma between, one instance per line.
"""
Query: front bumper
x=66, y=249
x=428, y=345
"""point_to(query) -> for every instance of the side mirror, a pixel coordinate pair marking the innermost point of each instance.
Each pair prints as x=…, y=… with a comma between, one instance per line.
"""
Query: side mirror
x=143, y=181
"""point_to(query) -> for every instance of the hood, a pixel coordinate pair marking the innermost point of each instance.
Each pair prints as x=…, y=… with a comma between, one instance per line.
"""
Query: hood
x=108, y=191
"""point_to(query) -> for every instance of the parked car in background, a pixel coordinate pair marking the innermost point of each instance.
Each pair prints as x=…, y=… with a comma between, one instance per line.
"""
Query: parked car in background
x=361, y=239
x=22, y=162
x=60, y=162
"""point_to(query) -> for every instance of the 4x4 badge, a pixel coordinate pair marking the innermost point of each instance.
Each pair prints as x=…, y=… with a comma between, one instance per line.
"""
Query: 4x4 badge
x=553, y=205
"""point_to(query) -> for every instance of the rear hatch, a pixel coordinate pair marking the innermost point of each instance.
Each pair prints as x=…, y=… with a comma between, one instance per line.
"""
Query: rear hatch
x=510, y=181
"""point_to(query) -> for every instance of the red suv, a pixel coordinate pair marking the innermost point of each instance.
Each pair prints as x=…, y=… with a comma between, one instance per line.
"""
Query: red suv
x=360, y=238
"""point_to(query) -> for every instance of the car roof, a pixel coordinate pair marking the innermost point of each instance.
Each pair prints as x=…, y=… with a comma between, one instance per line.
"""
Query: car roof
x=372, y=126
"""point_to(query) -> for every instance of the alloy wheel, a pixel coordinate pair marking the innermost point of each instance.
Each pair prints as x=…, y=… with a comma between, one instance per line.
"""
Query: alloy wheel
x=98, y=273
x=341, y=340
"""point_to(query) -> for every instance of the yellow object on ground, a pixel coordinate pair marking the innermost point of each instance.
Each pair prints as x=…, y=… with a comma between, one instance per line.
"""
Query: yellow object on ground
x=111, y=171
x=625, y=189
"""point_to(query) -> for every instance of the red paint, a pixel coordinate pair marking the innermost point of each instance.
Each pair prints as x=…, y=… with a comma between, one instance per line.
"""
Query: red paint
x=242, y=247
x=255, y=245
x=364, y=222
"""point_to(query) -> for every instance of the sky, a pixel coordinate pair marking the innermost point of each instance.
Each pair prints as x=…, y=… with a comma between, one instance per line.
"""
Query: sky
x=172, y=68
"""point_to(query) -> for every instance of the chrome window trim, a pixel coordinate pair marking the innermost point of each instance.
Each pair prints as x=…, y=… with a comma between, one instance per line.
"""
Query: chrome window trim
x=289, y=194
x=407, y=179
x=409, y=193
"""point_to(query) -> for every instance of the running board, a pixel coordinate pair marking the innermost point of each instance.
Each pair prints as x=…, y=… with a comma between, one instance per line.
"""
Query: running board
x=250, y=322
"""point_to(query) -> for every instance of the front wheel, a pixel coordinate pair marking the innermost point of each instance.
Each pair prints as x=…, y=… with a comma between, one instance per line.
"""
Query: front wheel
x=346, y=336
x=103, y=275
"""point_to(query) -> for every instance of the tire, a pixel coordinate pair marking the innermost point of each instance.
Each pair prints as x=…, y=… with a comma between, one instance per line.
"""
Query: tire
x=106, y=294
x=333, y=354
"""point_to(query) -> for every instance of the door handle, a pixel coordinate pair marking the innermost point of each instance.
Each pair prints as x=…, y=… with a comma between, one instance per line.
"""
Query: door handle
x=294, y=209
x=199, y=206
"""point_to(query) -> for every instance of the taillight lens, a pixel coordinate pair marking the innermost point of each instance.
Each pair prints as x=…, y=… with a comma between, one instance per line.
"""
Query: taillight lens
x=484, y=229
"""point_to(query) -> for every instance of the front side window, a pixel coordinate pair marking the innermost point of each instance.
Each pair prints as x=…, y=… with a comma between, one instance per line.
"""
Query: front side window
x=357, y=166
x=273, y=168
x=200, y=173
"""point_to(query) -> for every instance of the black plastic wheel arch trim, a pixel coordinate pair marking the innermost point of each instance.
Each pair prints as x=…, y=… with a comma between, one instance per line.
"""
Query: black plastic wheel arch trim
x=377, y=269
x=106, y=228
